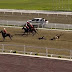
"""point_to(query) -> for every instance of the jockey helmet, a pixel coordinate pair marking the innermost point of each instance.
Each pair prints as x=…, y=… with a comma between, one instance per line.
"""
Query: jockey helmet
x=27, y=22
x=4, y=28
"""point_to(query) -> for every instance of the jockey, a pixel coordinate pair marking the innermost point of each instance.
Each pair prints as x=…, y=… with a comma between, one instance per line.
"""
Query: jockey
x=27, y=27
x=5, y=31
x=30, y=25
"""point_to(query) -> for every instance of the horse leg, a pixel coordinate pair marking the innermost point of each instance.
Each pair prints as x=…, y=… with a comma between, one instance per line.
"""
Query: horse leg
x=10, y=37
x=3, y=38
x=23, y=33
x=27, y=33
x=33, y=33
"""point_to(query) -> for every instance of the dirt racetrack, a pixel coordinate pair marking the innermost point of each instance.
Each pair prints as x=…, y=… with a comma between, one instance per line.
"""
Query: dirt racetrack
x=13, y=63
x=65, y=41
x=18, y=63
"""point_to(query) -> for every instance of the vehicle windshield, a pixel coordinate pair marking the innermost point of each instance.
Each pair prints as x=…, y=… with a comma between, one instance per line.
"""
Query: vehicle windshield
x=35, y=20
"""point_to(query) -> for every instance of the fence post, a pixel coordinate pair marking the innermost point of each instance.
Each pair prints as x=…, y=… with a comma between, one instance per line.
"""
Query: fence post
x=4, y=12
x=47, y=15
x=12, y=13
x=68, y=27
x=55, y=26
x=46, y=51
x=64, y=26
x=7, y=23
x=21, y=13
x=51, y=26
x=38, y=14
x=66, y=15
x=2, y=47
x=24, y=49
x=70, y=53
x=38, y=25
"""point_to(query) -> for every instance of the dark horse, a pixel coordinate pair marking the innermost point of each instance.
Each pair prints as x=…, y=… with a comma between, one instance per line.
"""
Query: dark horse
x=28, y=31
x=56, y=37
x=5, y=35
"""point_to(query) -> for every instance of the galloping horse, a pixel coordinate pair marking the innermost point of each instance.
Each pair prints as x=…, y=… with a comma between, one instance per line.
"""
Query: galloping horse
x=25, y=30
x=32, y=30
x=56, y=37
x=5, y=35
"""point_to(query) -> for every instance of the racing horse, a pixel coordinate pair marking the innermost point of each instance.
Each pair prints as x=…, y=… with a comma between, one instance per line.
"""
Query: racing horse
x=28, y=31
x=25, y=30
x=5, y=35
x=56, y=37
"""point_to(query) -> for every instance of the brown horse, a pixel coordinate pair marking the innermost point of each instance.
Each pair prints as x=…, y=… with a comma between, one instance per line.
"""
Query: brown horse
x=5, y=35
x=28, y=31
x=56, y=37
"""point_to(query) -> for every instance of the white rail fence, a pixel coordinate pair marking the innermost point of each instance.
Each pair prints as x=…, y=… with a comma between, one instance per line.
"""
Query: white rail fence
x=38, y=25
x=59, y=26
x=11, y=23
x=21, y=23
x=33, y=50
x=35, y=11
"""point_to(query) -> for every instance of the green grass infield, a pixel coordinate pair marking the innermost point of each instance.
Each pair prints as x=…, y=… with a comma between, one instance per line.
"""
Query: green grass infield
x=50, y=5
